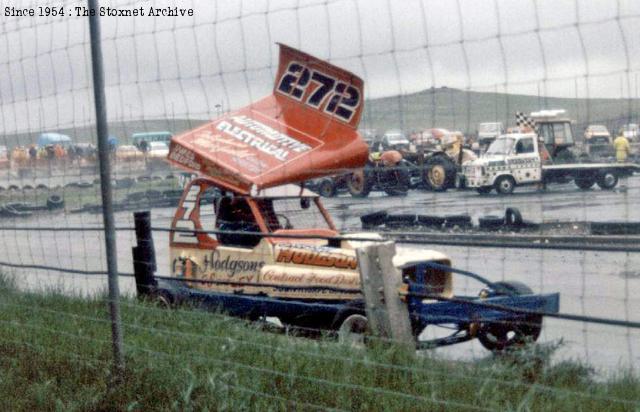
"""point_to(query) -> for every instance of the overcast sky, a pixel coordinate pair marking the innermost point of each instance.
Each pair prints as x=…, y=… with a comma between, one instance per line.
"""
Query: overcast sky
x=226, y=54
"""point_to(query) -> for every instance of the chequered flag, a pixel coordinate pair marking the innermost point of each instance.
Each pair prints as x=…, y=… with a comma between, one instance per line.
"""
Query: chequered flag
x=524, y=121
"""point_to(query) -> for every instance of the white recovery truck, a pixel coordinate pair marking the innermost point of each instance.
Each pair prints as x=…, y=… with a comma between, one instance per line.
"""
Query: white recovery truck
x=514, y=160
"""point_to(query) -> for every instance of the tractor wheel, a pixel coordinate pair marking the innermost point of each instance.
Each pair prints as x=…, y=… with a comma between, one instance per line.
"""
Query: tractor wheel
x=498, y=336
x=358, y=184
x=326, y=188
x=505, y=185
x=607, y=180
x=439, y=174
x=585, y=181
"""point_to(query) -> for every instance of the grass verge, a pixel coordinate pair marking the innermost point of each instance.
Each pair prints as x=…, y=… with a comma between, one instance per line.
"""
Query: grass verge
x=55, y=354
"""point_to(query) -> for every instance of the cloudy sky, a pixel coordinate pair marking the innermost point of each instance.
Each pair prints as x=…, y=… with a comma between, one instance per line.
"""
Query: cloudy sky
x=225, y=55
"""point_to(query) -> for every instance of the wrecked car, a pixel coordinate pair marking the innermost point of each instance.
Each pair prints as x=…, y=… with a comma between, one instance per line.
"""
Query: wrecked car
x=247, y=239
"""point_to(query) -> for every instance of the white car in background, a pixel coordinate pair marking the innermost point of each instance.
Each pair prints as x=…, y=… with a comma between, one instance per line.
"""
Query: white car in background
x=395, y=140
x=157, y=150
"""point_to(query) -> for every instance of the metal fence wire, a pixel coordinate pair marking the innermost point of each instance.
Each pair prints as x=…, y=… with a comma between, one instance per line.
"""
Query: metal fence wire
x=427, y=66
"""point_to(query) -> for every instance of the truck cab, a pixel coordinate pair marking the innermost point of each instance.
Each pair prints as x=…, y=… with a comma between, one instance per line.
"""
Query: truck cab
x=512, y=159
x=556, y=131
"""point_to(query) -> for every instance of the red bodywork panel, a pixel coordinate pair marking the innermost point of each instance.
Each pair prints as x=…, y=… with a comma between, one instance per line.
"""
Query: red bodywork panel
x=307, y=128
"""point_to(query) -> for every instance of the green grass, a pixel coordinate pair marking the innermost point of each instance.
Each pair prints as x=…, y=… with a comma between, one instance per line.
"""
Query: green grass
x=55, y=354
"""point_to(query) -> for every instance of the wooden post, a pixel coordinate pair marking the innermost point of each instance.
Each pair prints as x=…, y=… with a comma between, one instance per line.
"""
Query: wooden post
x=387, y=314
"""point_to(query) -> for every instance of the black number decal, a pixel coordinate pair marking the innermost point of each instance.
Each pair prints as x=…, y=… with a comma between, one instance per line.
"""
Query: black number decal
x=295, y=80
x=343, y=102
x=344, y=98
x=326, y=85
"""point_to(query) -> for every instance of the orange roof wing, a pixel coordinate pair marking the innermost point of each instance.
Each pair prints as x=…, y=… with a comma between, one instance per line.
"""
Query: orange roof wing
x=306, y=128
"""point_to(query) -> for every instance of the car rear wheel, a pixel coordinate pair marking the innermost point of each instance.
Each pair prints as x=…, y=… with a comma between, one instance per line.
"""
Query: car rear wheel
x=353, y=330
x=502, y=335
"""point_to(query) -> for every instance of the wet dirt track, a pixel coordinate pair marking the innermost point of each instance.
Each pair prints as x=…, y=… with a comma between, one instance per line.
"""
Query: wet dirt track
x=602, y=284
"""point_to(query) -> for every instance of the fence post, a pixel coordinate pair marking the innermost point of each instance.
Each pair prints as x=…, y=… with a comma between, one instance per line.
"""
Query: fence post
x=387, y=313
x=105, y=186
x=144, y=255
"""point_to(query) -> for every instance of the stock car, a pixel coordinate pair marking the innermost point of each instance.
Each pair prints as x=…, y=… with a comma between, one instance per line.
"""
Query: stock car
x=248, y=239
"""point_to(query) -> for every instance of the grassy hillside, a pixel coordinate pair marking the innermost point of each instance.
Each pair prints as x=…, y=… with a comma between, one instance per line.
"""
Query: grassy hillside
x=55, y=354
x=444, y=107
x=461, y=110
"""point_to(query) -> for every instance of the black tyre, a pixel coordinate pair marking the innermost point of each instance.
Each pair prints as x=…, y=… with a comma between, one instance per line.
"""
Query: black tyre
x=585, y=181
x=505, y=185
x=439, y=174
x=373, y=219
x=499, y=336
x=326, y=188
x=135, y=197
x=359, y=184
x=351, y=324
x=491, y=222
x=163, y=299
x=400, y=220
x=607, y=180
x=55, y=202
x=124, y=183
x=513, y=217
x=457, y=220
x=430, y=221
x=484, y=190
x=153, y=194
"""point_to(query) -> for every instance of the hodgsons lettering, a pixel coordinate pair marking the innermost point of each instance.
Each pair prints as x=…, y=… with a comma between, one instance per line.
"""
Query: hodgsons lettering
x=230, y=266
x=315, y=258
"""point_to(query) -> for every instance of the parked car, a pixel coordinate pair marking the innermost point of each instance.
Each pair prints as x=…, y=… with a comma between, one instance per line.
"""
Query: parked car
x=394, y=140
x=598, y=141
x=597, y=134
